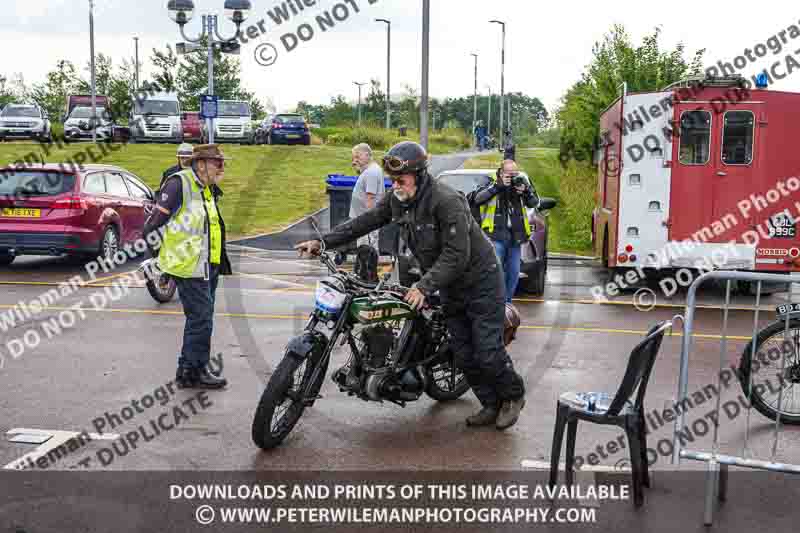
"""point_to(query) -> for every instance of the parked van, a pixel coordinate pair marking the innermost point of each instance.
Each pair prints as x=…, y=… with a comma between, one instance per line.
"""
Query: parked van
x=156, y=118
x=234, y=123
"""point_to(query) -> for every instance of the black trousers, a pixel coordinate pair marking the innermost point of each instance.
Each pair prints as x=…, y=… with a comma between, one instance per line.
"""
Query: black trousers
x=475, y=319
x=197, y=296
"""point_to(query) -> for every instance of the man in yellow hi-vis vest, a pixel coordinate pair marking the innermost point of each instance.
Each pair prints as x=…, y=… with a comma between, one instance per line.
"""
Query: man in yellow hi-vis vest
x=193, y=252
x=504, y=218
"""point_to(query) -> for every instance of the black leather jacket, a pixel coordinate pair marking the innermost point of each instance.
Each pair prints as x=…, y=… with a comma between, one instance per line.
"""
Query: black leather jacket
x=439, y=229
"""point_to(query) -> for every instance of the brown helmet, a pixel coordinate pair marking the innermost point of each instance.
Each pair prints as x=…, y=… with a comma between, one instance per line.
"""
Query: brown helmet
x=512, y=322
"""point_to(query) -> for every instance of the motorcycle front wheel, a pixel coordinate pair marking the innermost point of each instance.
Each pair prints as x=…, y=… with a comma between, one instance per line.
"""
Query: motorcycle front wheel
x=446, y=382
x=163, y=289
x=282, y=403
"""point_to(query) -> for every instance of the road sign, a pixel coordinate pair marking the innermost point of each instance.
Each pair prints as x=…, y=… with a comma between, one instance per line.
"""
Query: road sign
x=208, y=106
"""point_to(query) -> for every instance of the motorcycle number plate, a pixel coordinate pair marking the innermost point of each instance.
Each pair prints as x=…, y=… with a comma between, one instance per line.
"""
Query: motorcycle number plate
x=788, y=309
x=329, y=299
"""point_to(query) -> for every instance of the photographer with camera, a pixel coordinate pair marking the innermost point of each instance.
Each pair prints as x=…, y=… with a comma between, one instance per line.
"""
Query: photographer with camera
x=504, y=218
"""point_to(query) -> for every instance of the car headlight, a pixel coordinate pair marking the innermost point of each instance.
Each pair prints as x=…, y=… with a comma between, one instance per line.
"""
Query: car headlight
x=248, y=127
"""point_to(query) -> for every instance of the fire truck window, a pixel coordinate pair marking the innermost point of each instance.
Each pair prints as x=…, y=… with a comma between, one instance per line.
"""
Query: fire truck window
x=695, y=137
x=737, y=138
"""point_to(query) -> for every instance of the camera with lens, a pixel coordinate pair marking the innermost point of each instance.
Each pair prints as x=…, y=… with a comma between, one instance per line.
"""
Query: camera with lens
x=518, y=181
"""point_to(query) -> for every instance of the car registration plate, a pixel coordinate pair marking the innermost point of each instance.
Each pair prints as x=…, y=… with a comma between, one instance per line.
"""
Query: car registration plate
x=782, y=227
x=21, y=213
x=292, y=136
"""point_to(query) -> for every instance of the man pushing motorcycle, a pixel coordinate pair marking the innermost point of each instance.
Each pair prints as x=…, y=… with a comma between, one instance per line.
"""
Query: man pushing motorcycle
x=457, y=260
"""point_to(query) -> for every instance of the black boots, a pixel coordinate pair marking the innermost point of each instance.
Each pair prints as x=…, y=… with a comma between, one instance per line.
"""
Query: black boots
x=191, y=378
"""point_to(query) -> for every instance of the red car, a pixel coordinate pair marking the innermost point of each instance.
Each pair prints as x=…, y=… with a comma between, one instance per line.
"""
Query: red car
x=192, y=126
x=54, y=209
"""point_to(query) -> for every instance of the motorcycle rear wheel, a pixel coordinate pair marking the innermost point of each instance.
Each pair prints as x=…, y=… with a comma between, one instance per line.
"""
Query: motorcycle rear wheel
x=163, y=289
x=440, y=381
x=281, y=406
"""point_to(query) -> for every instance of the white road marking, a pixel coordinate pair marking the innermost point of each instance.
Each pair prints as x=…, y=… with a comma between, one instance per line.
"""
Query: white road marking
x=56, y=439
x=545, y=465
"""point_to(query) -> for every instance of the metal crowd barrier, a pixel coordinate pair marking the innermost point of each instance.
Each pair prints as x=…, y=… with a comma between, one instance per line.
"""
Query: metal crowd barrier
x=718, y=463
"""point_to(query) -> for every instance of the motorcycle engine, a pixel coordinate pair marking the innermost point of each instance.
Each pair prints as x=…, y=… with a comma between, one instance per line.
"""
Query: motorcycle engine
x=378, y=379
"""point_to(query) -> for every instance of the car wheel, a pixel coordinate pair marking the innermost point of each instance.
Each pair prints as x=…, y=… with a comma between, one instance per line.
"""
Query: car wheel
x=6, y=259
x=535, y=283
x=109, y=244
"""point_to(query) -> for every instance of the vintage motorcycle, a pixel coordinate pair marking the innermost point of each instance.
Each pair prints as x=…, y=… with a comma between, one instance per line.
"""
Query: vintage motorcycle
x=395, y=353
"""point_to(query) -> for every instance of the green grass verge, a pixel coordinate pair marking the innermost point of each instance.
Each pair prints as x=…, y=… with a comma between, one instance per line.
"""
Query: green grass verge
x=266, y=187
x=573, y=186
x=440, y=141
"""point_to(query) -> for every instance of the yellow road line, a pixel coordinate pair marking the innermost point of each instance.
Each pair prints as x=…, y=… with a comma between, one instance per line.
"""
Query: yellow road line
x=261, y=316
x=110, y=277
x=633, y=332
x=629, y=303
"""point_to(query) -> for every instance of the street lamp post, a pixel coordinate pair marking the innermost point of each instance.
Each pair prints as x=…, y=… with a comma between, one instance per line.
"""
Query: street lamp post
x=136, y=77
x=475, y=102
x=91, y=61
x=181, y=12
x=359, y=101
x=502, y=76
x=388, y=71
x=426, y=40
x=489, y=113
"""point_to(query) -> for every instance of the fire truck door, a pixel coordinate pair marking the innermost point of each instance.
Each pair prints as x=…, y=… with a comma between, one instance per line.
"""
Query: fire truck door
x=736, y=166
x=693, y=169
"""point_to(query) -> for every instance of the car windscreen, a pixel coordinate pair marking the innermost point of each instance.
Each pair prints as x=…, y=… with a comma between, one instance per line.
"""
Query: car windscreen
x=233, y=109
x=286, y=119
x=14, y=111
x=31, y=183
x=466, y=183
x=86, y=112
x=156, y=107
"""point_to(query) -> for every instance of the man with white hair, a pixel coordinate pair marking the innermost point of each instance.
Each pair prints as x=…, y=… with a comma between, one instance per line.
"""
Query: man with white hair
x=368, y=190
x=184, y=160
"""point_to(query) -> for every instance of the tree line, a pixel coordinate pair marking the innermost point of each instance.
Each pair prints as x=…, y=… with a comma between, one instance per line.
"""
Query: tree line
x=644, y=67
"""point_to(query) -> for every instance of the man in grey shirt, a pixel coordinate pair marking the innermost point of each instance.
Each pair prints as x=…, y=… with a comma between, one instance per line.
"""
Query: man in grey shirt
x=368, y=190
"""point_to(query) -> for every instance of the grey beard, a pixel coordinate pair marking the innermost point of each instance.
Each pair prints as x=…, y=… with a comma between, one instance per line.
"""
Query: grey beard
x=402, y=196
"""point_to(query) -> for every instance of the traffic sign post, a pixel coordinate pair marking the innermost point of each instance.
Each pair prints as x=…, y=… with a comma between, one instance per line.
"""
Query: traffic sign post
x=209, y=107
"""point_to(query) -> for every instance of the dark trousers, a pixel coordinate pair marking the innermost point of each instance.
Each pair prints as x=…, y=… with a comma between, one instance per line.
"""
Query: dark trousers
x=475, y=319
x=197, y=296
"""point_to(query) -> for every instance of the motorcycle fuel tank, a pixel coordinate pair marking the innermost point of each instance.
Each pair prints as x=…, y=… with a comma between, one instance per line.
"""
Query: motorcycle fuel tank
x=367, y=310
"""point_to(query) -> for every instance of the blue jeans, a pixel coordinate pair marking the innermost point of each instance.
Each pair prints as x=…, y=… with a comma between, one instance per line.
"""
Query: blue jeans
x=198, y=297
x=510, y=255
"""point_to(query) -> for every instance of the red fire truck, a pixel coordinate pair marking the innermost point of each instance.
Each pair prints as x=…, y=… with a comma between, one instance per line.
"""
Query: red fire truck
x=704, y=174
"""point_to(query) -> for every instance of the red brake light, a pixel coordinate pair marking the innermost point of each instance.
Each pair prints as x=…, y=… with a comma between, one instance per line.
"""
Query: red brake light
x=629, y=248
x=276, y=125
x=71, y=202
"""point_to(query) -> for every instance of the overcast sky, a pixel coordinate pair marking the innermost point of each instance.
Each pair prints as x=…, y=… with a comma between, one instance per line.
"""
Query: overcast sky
x=548, y=44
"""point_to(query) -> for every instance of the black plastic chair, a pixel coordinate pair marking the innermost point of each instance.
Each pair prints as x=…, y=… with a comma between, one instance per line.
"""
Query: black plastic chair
x=622, y=411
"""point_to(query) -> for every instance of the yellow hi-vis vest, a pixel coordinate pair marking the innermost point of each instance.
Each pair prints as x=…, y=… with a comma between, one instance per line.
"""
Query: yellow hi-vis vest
x=193, y=237
x=488, y=211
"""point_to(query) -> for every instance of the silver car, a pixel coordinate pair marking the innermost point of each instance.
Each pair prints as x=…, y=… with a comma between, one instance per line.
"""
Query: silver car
x=19, y=121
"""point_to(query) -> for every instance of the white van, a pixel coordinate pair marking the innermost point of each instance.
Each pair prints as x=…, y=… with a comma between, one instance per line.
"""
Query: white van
x=156, y=118
x=234, y=123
